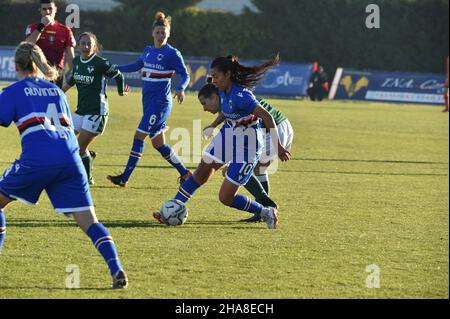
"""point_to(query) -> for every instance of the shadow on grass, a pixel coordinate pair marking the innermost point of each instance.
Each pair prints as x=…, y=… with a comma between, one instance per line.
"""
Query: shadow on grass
x=365, y=161
x=342, y=160
x=36, y=223
x=30, y=223
x=134, y=187
x=363, y=173
x=55, y=288
x=121, y=167
x=187, y=226
x=292, y=159
x=232, y=224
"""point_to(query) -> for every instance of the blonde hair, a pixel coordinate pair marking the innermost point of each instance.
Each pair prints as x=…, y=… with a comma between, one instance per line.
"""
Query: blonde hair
x=30, y=58
x=161, y=20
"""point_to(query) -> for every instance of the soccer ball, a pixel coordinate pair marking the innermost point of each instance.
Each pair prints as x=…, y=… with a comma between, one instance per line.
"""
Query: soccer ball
x=174, y=212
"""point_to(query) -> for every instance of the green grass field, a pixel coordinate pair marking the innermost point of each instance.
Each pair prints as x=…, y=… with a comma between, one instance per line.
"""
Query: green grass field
x=368, y=184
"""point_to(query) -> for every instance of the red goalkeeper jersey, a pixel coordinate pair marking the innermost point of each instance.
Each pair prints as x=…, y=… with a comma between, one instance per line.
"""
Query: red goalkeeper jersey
x=54, y=40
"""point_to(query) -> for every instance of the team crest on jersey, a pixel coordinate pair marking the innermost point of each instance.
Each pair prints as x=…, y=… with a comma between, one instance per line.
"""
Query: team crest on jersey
x=160, y=57
x=51, y=38
x=90, y=69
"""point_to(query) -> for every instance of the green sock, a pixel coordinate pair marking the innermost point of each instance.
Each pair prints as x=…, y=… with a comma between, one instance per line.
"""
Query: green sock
x=255, y=188
x=87, y=163
x=264, y=180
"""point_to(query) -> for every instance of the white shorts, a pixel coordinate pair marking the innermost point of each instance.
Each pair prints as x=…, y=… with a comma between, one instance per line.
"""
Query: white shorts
x=95, y=124
x=286, y=135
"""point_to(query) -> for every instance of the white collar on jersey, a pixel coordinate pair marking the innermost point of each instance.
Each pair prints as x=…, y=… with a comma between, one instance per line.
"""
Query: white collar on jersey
x=89, y=60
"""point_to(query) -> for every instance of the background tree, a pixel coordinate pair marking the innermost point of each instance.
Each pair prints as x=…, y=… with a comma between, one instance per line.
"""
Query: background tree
x=413, y=35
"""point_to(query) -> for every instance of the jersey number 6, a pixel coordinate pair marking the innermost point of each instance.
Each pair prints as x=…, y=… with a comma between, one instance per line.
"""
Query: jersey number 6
x=153, y=119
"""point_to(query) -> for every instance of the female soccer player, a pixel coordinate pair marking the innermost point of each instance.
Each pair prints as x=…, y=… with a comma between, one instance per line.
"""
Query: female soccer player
x=158, y=63
x=50, y=157
x=239, y=142
x=258, y=184
x=89, y=75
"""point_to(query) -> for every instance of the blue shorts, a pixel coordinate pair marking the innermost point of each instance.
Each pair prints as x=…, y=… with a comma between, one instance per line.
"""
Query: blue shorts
x=240, y=173
x=67, y=187
x=153, y=121
x=240, y=147
x=236, y=145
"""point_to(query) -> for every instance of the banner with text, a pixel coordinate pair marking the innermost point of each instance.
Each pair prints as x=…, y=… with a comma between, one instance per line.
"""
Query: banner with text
x=7, y=65
x=284, y=80
x=397, y=87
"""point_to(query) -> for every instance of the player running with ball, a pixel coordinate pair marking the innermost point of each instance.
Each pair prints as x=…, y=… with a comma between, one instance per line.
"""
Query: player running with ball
x=258, y=184
x=240, y=140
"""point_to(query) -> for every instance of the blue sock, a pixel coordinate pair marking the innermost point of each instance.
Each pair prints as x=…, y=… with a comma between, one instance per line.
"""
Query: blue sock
x=244, y=203
x=170, y=156
x=187, y=190
x=2, y=229
x=103, y=242
x=136, y=154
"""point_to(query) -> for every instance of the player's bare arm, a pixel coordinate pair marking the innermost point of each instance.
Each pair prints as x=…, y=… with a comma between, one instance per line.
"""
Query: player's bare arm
x=70, y=55
x=66, y=87
x=270, y=125
x=34, y=37
x=209, y=130
x=36, y=34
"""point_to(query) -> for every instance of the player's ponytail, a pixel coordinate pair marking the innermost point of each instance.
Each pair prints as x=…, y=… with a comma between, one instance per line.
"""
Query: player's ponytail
x=30, y=58
x=40, y=60
x=241, y=74
x=161, y=20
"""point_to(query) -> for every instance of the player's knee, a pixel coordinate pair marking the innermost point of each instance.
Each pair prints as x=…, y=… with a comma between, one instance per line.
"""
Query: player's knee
x=4, y=201
x=200, y=178
x=157, y=146
x=226, y=199
x=85, y=219
x=140, y=136
x=158, y=141
x=204, y=172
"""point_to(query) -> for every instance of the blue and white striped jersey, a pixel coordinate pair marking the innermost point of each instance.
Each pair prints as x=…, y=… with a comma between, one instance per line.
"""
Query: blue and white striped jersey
x=158, y=66
x=42, y=115
x=238, y=106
